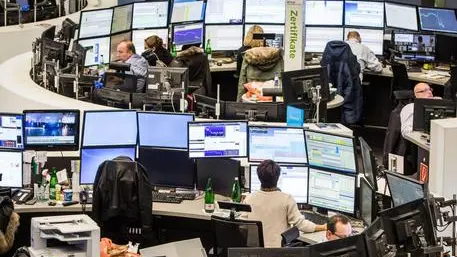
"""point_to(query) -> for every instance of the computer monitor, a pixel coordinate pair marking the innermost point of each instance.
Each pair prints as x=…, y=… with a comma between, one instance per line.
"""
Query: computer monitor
x=324, y=13
x=11, y=169
x=80, y=55
x=97, y=50
x=369, y=163
x=224, y=37
x=221, y=171
x=115, y=41
x=274, y=112
x=446, y=48
x=206, y=106
x=317, y=37
x=404, y=189
x=150, y=15
x=11, y=131
x=438, y=20
x=122, y=18
x=68, y=30
x=405, y=225
x=53, y=50
x=217, y=139
x=224, y=11
x=188, y=10
x=95, y=23
x=415, y=47
x=293, y=180
x=187, y=34
x=138, y=37
x=400, y=16
x=268, y=252
x=109, y=128
x=51, y=130
x=49, y=33
x=91, y=158
x=332, y=191
x=280, y=144
x=331, y=151
x=265, y=11
x=426, y=109
x=167, y=167
x=120, y=81
x=171, y=78
x=375, y=239
x=367, y=202
x=163, y=129
x=350, y=246
x=364, y=13
x=373, y=38
x=267, y=28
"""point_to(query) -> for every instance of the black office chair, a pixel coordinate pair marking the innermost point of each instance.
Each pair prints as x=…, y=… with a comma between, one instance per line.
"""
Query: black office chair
x=400, y=79
x=289, y=238
x=235, y=233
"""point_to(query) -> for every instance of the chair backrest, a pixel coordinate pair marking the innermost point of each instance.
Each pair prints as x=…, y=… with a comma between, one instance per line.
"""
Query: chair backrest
x=400, y=80
x=236, y=233
x=289, y=237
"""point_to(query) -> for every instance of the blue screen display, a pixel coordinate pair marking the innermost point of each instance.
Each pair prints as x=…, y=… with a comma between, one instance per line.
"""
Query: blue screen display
x=443, y=20
x=92, y=158
x=51, y=128
x=110, y=128
x=163, y=129
x=188, y=34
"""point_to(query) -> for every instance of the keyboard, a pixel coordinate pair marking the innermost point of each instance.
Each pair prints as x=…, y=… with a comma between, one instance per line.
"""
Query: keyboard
x=315, y=218
x=171, y=197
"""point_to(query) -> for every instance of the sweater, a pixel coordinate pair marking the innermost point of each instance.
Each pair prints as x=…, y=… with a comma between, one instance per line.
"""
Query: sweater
x=277, y=211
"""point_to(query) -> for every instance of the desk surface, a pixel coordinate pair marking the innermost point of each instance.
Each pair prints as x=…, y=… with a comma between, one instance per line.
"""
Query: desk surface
x=336, y=102
x=213, y=67
x=416, y=76
x=416, y=138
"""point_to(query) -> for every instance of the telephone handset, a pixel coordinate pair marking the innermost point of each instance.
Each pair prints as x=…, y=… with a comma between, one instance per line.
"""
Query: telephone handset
x=22, y=195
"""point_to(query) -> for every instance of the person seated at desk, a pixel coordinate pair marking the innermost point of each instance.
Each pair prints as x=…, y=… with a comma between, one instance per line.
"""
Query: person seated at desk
x=421, y=90
x=275, y=209
x=138, y=65
x=155, y=53
x=338, y=227
x=248, y=43
x=366, y=58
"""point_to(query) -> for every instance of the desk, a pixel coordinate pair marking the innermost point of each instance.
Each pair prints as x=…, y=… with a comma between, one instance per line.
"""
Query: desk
x=213, y=67
x=336, y=102
x=416, y=138
x=415, y=76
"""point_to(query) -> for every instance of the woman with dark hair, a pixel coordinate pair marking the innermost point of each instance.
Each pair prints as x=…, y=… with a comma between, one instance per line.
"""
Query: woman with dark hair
x=277, y=210
x=155, y=52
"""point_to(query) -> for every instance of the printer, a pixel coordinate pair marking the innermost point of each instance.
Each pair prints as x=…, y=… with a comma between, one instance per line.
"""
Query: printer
x=78, y=236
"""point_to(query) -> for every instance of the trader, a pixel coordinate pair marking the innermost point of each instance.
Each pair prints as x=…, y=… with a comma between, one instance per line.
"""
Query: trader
x=138, y=65
x=421, y=90
x=338, y=226
x=366, y=58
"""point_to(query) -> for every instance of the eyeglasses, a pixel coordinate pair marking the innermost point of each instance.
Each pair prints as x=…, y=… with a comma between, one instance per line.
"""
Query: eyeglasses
x=424, y=90
x=341, y=236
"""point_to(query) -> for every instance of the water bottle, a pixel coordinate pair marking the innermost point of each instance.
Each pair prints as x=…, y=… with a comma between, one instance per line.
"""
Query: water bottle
x=208, y=50
x=173, y=52
x=52, y=184
x=209, y=197
x=236, y=191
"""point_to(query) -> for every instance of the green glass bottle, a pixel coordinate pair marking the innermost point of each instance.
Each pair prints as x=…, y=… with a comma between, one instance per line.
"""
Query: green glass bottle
x=236, y=191
x=52, y=184
x=174, y=53
x=209, y=197
x=208, y=50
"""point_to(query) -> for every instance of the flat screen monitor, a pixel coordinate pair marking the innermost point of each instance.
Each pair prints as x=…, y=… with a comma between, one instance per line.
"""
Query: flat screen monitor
x=221, y=171
x=349, y=246
x=11, y=169
x=415, y=47
x=51, y=130
x=163, y=129
x=11, y=131
x=265, y=11
x=268, y=252
x=115, y=41
x=95, y=23
x=368, y=163
x=324, y=13
x=187, y=34
x=375, y=240
x=97, y=50
x=167, y=167
x=367, y=202
x=373, y=38
x=224, y=37
x=293, y=180
x=69, y=28
x=138, y=37
x=332, y=191
x=331, y=151
x=364, y=13
x=91, y=158
x=316, y=38
x=401, y=16
x=121, y=82
x=49, y=33
x=438, y=20
x=280, y=144
x=109, y=128
x=150, y=15
x=260, y=111
x=403, y=189
x=224, y=11
x=53, y=50
x=122, y=18
x=188, y=10
x=426, y=109
x=217, y=139
x=446, y=48
x=206, y=106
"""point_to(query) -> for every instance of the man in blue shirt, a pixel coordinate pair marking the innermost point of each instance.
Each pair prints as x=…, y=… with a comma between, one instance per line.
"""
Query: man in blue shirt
x=138, y=65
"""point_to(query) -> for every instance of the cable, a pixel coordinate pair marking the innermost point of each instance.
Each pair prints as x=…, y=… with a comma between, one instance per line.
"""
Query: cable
x=444, y=227
x=172, y=103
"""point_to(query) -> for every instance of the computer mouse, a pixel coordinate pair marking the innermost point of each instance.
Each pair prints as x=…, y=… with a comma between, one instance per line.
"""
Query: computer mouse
x=219, y=63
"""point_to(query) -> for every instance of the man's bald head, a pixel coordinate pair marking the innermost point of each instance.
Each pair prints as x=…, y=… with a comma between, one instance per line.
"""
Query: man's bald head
x=423, y=90
x=125, y=49
x=354, y=35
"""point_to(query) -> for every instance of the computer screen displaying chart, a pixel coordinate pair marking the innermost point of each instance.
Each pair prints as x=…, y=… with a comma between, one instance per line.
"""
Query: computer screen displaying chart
x=324, y=13
x=439, y=20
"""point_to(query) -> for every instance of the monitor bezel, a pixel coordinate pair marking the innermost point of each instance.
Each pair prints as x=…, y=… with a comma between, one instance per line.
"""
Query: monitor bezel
x=372, y=200
x=98, y=35
x=218, y=121
x=420, y=104
x=397, y=175
x=22, y=129
x=276, y=127
x=372, y=158
x=145, y=28
x=402, y=5
x=112, y=19
x=364, y=26
x=171, y=9
x=159, y=113
x=95, y=38
x=173, y=28
x=22, y=165
x=54, y=147
x=439, y=8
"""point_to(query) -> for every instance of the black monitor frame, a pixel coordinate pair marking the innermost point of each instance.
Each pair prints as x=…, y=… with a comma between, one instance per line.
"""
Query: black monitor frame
x=403, y=5
x=272, y=112
x=129, y=87
x=22, y=129
x=436, y=8
x=171, y=9
x=54, y=147
x=349, y=246
x=131, y=18
x=417, y=54
x=154, y=27
x=49, y=33
x=68, y=29
x=205, y=106
x=99, y=35
x=446, y=48
x=368, y=216
x=54, y=47
x=422, y=123
x=370, y=160
x=375, y=240
x=80, y=53
x=170, y=73
x=173, y=28
x=222, y=181
x=405, y=178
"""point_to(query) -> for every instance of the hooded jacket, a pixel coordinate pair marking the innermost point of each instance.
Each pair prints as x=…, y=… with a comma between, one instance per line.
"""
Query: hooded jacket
x=259, y=64
x=7, y=238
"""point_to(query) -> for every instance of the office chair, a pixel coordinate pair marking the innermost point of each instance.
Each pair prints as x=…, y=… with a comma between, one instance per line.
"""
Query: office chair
x=400, y=79
x=289, y=238
x=235, y=233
